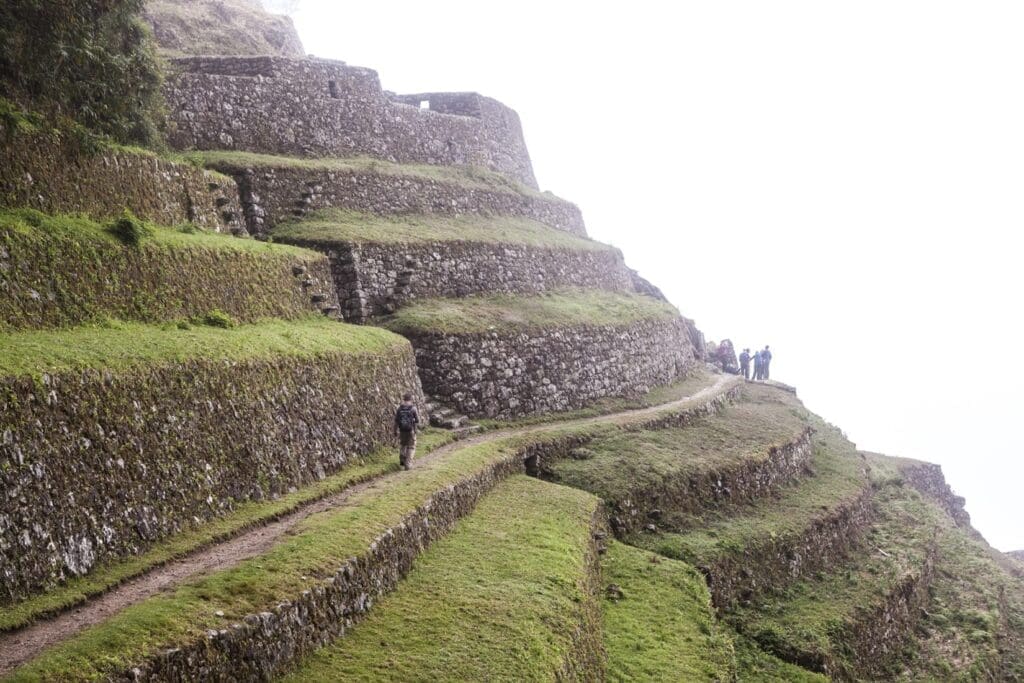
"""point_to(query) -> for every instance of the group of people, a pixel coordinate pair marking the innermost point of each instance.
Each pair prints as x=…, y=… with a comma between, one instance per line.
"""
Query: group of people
x=761, y=361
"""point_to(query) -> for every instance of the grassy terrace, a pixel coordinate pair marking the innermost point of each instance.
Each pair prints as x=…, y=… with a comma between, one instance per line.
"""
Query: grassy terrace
x=809, y=620
x=498, y=599
x=471, y=177
x=315, y=550
x=340, y=226
x=245, y=516
x=838, y=477
x=503, y=313
x=32, y=223
x=663, y=627
x=622, y=464
x=121, y=345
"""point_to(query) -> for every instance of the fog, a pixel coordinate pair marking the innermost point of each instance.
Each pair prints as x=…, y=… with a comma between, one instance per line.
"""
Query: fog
x=839, y=180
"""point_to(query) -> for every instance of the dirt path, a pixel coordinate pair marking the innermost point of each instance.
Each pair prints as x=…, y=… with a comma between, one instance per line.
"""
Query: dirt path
x=19, y=647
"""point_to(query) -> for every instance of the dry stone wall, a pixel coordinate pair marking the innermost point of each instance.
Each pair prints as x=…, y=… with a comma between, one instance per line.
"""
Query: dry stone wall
x=508, y=375
x=272, y=195
x=152, y=282
x=324, y=108
x=100, y=464
x=375, y=279
x=48, y=173
x=692, y=493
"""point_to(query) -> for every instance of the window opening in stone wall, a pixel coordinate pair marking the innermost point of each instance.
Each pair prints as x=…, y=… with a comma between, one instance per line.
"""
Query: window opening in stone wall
x=424, y=104
x=333, y=87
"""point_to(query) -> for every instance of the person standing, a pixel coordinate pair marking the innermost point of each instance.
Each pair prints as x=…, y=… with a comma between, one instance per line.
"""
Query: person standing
x=407, y=419
x=757, y=366
x=745, y=363
x=766, y=359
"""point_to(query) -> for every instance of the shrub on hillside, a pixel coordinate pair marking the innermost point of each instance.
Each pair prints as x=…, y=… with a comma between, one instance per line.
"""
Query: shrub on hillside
x=91, y=61
x=129, y=229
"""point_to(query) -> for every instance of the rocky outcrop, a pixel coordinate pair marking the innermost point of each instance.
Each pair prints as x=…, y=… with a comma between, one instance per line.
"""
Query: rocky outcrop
x=723, y=355
x=326, y=108
x=512, y=374
x=272, y=194
x=101, y=464
x=49, y=172
x=221, y=27
x=376, y=279
x=929, y=480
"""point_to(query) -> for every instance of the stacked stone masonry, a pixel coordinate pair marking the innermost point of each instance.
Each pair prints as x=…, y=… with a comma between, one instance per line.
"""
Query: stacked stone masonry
x=96, y=465
x=509, y=375
x=272, y=195
x=324, y=108
x=375, y=279
x=247, y=286
x=43, y=172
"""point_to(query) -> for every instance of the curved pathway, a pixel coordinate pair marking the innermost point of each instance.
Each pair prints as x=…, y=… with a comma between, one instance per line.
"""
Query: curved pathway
x=19, y=647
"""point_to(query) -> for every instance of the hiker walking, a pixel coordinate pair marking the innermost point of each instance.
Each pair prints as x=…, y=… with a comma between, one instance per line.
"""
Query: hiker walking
x=406, y=421
x=766, y=359
x=745, y=363
x=758, y=367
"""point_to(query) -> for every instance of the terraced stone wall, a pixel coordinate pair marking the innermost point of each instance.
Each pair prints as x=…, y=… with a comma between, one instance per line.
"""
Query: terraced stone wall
x=375, y=279
x=153, y=282
x=272, y=195
x=929, y=480
x=509, y=375
x=99, y=464
x=49, y=173
x=321, y=108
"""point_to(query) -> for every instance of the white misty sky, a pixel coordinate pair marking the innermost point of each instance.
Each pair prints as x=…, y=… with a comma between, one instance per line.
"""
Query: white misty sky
x=842, y=181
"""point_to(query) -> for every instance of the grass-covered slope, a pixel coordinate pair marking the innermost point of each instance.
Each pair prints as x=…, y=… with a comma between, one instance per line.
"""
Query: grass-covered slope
x=658, y=621
x=65, y=270
x=504, y=313
x=509, y=595
x=121, y=345
x=340, y=226
x=685, y=469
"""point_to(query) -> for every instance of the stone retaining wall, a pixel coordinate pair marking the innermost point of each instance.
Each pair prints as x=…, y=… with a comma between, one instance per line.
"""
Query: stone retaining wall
x=772, y=563
x=271, y=195
x=505, y=375
x=691, y=493
x=153, y=282
x=96, y=465
x=47, y=172
x=266, y=644
x=376, y=279
x=324, y=108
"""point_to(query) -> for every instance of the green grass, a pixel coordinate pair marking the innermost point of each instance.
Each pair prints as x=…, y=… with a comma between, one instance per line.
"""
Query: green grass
x=498, y=599
x=122, y=344
x=754, y=664
x=566, y=308
x=838, y=478
x=340, y=226
x=471, y=177
x=313, y=552
x=32, y=222
x=245, y=516
x=663, y=628
x=621, y=465
x=808, y=621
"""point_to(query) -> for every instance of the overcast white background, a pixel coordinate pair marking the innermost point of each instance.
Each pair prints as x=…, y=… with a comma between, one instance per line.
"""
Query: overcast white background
x=842, y=181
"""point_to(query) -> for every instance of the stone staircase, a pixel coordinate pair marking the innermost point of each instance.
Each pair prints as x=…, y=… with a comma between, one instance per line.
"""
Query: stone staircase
x=326, y=303
x=443, y=417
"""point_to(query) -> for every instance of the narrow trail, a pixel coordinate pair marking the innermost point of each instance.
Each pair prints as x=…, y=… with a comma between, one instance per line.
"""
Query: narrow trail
x=19, y=647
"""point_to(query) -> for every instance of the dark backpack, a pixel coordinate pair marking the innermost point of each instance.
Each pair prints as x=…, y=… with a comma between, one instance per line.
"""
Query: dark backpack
x=406, y=418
